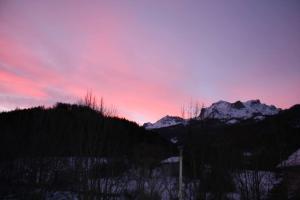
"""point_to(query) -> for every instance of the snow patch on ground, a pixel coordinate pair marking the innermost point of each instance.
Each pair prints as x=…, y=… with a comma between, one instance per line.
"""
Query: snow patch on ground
x=293, y=160
x=174, y=140
x=232, y=121
x=61, y=195
x=247, y=154
x=174, y=159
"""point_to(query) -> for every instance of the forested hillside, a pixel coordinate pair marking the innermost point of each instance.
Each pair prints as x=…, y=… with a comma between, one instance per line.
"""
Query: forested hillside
x=268, y=141
x=73, y=148
x=71, y=130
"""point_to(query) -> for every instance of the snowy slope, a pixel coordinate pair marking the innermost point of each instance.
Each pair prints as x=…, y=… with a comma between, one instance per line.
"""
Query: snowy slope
x=174, y=159
x=233, y=112
x=292, y=161
x=165, y=122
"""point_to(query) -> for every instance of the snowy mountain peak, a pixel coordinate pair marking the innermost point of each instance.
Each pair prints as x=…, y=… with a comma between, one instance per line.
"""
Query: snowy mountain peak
x=238, y=110
x=230, y=113
x=164, y=122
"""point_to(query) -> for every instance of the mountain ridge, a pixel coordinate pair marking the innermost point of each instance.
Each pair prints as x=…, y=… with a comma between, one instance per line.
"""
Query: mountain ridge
x=227, y=112
x=165, y=122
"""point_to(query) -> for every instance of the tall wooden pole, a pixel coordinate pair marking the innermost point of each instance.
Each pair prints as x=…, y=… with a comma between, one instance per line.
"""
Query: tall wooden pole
x=180, y=173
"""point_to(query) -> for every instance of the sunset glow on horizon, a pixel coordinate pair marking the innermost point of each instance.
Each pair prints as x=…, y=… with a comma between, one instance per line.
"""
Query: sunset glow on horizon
x=148, y=58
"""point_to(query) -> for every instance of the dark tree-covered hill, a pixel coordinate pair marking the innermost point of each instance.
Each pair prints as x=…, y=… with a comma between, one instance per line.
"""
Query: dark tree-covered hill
x=265, y=143
x=72, y=130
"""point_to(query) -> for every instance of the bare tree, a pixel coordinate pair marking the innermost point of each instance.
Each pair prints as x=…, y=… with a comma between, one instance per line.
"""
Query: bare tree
x=182, y=111
x=201, y=114
x=253, y=184
x=192, y=109
x=101, y=108
x=111, y=111
x=92, y=101
x=196, y=109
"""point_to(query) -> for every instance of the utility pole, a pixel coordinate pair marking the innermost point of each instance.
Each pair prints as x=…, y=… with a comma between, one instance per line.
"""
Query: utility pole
x=180, y=172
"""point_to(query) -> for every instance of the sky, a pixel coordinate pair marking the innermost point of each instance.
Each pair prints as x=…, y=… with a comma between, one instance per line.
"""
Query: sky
x=148, y=58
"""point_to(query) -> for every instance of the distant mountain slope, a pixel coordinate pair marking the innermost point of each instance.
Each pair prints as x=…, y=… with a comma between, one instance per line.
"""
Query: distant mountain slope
x=165, y=122
x=268, y=141
x=226, y=111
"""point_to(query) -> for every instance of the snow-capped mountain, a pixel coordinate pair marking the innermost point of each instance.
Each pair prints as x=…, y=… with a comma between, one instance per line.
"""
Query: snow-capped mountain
x=230, y=113
x=234, y=112
x=164, y=122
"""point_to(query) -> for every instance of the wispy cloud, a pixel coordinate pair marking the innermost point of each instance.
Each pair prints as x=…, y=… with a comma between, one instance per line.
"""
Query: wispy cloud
x=148, y=59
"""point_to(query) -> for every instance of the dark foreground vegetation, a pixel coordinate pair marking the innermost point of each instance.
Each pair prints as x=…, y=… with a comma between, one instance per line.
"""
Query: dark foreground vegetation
x=79, y=152
x=71, y=130
x=63, y=147
x=267, y=141
x=254, y=147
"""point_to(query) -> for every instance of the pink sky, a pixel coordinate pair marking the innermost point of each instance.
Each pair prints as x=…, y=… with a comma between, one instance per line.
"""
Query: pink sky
x=149, y=58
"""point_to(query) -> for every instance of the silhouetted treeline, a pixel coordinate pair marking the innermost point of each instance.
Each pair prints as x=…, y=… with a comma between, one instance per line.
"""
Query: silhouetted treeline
x=71, y=130
x=266, y=142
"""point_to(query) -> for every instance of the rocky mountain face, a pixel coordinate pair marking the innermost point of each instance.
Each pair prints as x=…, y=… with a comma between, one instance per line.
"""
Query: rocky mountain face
x=235, y=112
x=165, y=122
x=227, y=112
